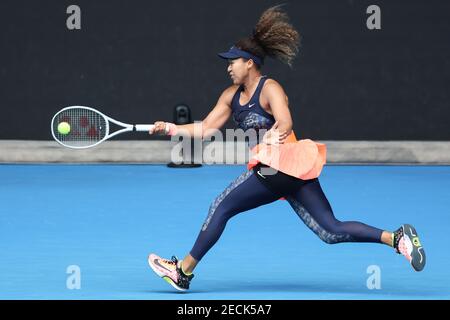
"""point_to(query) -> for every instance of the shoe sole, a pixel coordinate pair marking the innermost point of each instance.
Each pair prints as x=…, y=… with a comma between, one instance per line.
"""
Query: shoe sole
x=418, y=258
x=166, y=278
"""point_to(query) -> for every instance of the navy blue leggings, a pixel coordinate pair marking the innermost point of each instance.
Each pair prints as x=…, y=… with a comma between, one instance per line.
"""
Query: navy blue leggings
x=255, y=188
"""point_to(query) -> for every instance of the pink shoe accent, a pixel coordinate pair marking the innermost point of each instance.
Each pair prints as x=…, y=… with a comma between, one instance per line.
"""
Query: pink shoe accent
x=163, y=267
x=404, y=248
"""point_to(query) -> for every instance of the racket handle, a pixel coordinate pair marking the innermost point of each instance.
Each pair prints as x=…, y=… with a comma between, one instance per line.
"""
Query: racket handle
x=143, y=127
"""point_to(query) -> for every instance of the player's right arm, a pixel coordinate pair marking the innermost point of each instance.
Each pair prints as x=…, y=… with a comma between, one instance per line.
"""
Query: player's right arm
x=214, y=121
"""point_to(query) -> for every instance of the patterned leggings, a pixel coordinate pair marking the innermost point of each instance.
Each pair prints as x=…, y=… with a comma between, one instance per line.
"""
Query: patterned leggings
x=254, y=188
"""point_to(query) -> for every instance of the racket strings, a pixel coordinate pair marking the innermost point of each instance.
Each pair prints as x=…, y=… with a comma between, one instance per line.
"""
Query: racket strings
x=87, y=127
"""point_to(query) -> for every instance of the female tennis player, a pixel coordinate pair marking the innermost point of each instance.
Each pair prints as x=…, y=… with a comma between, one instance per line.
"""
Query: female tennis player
x=281, y=166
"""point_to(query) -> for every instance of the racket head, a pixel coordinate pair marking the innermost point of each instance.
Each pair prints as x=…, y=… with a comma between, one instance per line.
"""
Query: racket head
x=88, y=127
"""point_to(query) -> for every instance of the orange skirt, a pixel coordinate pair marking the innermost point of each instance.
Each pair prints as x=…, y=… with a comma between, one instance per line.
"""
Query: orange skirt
x=303, y=159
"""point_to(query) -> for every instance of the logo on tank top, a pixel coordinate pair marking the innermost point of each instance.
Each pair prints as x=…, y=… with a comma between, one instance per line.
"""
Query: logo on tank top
x=251, y=105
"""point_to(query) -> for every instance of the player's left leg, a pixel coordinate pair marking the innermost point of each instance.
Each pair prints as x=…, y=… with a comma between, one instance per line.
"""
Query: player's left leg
x=312, y=206
x=406, y=241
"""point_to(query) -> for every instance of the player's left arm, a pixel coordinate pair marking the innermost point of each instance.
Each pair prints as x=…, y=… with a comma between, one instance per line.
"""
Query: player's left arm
x=279, y=104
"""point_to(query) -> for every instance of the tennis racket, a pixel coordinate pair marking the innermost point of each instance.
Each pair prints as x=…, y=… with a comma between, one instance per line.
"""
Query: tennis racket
x=88, y=127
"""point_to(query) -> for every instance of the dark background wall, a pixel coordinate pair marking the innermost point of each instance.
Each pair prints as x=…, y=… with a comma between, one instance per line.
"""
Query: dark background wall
x=135, y=60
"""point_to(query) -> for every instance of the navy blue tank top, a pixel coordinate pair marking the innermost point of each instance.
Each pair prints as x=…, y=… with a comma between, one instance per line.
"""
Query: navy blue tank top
x=251, y=115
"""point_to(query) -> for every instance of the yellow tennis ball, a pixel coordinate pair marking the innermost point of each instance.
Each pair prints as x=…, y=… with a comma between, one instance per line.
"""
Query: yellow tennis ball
x=64, y=128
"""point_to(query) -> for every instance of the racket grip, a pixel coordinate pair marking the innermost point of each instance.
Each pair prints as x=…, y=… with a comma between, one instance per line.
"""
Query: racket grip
x=171, y=129
x=143, y=127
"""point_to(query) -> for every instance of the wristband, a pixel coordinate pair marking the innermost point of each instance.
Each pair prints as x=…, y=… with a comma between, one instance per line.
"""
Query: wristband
x=171, y=129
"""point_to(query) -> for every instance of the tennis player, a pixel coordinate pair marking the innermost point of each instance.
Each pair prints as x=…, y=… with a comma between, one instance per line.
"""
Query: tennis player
x=281, y=166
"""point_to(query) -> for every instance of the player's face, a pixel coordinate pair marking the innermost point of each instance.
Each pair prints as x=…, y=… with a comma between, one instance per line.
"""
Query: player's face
x=238, y=70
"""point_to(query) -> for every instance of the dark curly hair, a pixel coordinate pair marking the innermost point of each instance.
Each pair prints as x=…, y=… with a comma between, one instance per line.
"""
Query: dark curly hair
x=273, y=36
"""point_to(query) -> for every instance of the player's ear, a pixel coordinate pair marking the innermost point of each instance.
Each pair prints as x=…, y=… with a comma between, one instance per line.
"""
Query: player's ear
x=250, y=64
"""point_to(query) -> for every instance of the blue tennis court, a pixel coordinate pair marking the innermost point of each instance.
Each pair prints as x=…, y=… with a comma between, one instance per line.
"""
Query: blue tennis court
x=106, y=219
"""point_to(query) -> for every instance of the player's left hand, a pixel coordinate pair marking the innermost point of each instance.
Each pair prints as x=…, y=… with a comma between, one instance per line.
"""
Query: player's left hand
x=275, y=136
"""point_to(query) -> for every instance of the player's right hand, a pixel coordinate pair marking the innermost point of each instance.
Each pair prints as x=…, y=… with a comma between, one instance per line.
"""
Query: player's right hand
x=160, y=127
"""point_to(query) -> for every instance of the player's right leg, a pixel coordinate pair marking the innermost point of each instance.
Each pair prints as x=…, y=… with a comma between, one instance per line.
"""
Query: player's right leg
x=171, y=271
x=243, y=194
